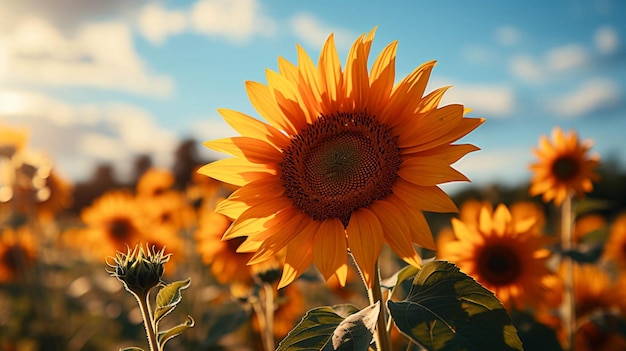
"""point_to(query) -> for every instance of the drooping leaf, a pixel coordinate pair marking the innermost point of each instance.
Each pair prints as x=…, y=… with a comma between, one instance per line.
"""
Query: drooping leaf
x=168, y=297
x=166, y=335
x=448, y=310
x=357, y=330
x=324, y=329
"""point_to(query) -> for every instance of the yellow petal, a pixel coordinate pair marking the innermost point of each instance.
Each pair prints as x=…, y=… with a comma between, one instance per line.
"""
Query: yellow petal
x=236, y=171
x=428, y=171
x=366, y=240
x=254, y=150
x=425, y=198
x=298, y=256
x=263, y=101
x=330, y=77
x=330, y=251
x=396, y=230
x=382, y=79
x=253, y=128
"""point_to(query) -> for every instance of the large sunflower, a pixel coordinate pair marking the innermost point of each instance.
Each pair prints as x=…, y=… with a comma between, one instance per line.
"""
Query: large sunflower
x=564, y=167
x=347, y=161
x=504, y=255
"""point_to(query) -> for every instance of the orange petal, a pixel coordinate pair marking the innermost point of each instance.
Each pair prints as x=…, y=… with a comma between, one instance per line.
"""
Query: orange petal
x=330, y=251
x=366, y=240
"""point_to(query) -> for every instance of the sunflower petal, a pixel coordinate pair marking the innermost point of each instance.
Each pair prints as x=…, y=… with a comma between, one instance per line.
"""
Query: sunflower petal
x=298, y=256
x=264, y=102
x=330, y=250
x=330, y=77
x=366, y=240
x=253, y=128
x=235, y=171
x=396, y=231
x=254, y=150
x=426, y=198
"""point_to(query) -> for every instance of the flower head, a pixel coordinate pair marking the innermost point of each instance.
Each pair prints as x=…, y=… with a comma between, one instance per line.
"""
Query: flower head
x=346, y=161
x=17, y=253
x=139, y=269
x=505, y=255
x=564, y=167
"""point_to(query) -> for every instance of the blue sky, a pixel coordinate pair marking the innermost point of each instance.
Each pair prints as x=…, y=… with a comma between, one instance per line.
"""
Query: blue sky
x=100, y=81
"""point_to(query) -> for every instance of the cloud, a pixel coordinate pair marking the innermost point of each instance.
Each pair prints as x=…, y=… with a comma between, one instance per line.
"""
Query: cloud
x=100, y=55
x=567, y=58
x=211, y=128
x=78, y=137
x=156, y=23
x=508, y=35
x=606, y=40
x=313, y=32
x=493, y=100
x=527, y=69
x=236, y=20
x=592, y=96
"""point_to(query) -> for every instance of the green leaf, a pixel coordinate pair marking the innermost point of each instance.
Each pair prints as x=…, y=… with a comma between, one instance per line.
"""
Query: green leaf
x=324, y=329
x=164, y=336
x=357, y=330
x=168, y=297
x=404, y=274
x=448, y=310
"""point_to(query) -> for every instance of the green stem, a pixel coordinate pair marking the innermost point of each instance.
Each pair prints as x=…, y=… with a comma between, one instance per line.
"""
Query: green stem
x=569, y=306
x=148, y=322
x=383, y=342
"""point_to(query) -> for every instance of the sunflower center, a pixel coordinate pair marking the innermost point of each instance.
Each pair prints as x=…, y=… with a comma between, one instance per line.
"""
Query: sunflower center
x=499, y=265
x=340, y=163
x=565, y=168
x=120, y=228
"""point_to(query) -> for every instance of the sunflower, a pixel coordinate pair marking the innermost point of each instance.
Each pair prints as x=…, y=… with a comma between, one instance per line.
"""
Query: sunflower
x=615, y=246
x=114, y=221
x=227, y=266
x=17, y=253
x=588, y=223
x=155, y=182
x=347, y=161
x=564, y=167
x=595, y=291
x=505, y=256
x=522, y=210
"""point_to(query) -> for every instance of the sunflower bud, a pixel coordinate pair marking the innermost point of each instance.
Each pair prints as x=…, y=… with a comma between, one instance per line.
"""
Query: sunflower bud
x=139, y=270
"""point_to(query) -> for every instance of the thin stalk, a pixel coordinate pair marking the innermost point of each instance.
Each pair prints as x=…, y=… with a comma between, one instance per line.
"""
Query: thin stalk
x=568, y=307
x=148, y=322
x=269, y=316
x=383, y=342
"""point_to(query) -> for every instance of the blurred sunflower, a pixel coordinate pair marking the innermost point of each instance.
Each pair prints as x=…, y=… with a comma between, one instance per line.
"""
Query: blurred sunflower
x=587, y=224
x=347, y=162
x=113, y=221
x=155, y=182
x=590, y=336
x=170, y=209
x=227, y=266
x=563, y=167
x=505, y=256
x=594, y=291
x=17, y=253
x=522, y=210
x=615, y=246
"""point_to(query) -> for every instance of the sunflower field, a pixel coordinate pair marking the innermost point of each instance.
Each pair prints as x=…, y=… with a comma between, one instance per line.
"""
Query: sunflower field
x=325, y=229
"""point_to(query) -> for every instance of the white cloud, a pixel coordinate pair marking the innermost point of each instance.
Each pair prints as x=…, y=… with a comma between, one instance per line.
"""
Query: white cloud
x=508, y=35
x=98, y=55
x=78, y=137
x=567, y=57
x=489, y=100
x=314, y=33
x=237, y=20
x=527, y=69
x=156, y=23
x=589, y=97
x=606, y=40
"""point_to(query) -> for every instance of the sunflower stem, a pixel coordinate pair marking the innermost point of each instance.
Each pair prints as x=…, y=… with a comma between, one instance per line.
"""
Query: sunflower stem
x=569, y=306
x=146, y=314
x=375, y=294
x=268, y=291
